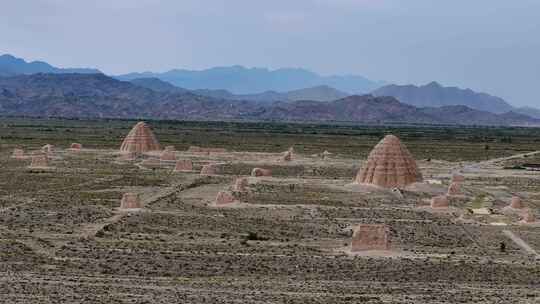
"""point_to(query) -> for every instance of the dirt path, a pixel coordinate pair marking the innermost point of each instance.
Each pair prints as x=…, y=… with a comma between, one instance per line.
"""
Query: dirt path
x=496, y=160
x=521, y=243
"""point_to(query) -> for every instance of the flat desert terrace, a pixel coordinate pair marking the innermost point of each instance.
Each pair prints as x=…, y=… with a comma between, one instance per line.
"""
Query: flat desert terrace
x=113, y=211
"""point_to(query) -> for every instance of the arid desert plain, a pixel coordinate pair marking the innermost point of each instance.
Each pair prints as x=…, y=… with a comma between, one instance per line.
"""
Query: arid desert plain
x=200, y=212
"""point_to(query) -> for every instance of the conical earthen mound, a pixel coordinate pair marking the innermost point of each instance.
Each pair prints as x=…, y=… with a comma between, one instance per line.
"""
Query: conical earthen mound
x=389, y=165
x=140, y=139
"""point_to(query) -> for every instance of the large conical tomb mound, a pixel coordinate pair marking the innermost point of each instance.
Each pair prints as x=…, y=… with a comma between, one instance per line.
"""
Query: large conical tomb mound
x=389, y=165
x=140, y=139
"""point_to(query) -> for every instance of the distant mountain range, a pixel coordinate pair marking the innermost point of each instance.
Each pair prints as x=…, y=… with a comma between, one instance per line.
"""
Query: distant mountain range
x=435, y=95
x=241, y=80
x=229, y=85
x=97, y=95
x=10, y=66
x=318, y=93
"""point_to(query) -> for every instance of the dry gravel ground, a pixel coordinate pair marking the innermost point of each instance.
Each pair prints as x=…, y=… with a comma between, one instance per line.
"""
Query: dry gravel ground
x=63, y=239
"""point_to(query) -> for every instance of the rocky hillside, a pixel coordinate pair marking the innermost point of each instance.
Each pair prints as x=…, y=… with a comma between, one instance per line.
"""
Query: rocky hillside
x=435, y=95
x=97, y=95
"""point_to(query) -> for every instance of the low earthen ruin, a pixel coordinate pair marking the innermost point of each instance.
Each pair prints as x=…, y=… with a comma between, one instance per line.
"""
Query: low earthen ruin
x=47, y=149
x=39, y=160
x=241, y=184
x=516, y=203
x=454, y=189
x=287, y=156
x=130, y=201
x=224, y=198
x=18, y=154
x=528, y=217
x=183, y=165
x=168, y=155
x=256, y=172
x=75, y=147
x=209, y=169
x=457, y=178
x=439, y=202
x=326, y=154
x=371, y=237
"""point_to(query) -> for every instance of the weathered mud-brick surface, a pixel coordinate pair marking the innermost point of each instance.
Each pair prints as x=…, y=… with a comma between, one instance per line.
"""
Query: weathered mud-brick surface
x=516, y=203
x=76, y=146
x=210, y=169
x=168, y=155
x=458, y=178
x=47, y=148
x=224, y=198
x=454, y=189
x=130, y=201
x=439, y=202
x=241, y=184
x=371, y=237
x=18, y=154
x=140, y=139
x=183, y=165
x=528, y=216
x=287, y=155
x=389, y=165
x=39, y=161
x=256, y=172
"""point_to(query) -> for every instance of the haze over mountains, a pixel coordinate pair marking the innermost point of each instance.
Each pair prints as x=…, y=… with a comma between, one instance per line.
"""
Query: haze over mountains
x=318, y=93
x=435, y=95
x=39, y=89
x=241, y=80
x=11, y=65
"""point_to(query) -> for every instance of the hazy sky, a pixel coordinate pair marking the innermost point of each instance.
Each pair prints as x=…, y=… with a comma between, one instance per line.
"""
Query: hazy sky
x=486, y=45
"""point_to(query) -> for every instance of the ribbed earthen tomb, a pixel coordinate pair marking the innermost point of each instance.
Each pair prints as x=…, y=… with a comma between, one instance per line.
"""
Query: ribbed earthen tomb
x=140, y=139
x=371, y=237
x=389, y=165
